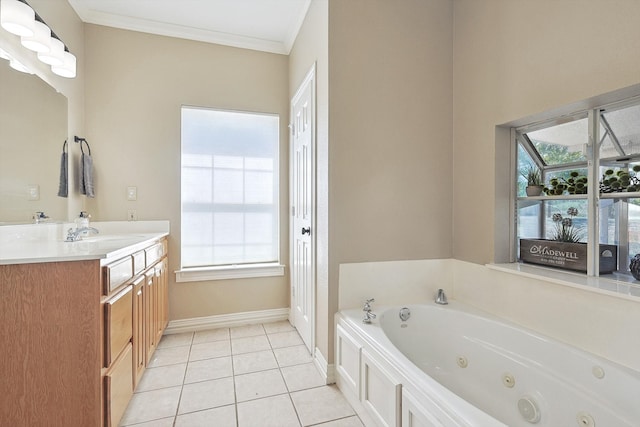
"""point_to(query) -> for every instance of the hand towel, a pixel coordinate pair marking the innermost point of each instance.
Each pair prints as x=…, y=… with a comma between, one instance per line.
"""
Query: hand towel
x=86, y=177
x=63, y=187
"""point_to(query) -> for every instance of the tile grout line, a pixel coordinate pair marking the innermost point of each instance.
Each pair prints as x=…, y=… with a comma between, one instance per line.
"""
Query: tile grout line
x=184, y=377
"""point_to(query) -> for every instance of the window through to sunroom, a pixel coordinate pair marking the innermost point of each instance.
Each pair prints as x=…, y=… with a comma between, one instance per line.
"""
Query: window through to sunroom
x=578, y=191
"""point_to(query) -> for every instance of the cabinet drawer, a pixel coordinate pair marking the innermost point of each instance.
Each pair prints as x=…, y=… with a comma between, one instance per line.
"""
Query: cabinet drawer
x=118, y=388
x=139, y=263
x=117, y=273
x=118, y=324
x=154, y=253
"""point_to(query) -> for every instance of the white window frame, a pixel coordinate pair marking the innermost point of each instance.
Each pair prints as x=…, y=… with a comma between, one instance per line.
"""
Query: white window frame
x=240, y=270
x=617, y=283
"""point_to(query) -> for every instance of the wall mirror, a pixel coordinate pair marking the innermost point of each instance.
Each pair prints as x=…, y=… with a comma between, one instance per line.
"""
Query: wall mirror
x=33, y=128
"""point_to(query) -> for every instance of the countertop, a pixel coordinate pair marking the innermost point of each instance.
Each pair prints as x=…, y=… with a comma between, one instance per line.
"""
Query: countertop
x=38, y=243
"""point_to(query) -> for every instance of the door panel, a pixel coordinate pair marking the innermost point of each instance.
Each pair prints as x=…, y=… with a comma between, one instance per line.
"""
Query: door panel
x=303, y=209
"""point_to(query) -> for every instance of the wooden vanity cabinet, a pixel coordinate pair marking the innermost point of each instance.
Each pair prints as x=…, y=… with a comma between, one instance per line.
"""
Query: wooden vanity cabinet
x=140, y=290
x=72, y=342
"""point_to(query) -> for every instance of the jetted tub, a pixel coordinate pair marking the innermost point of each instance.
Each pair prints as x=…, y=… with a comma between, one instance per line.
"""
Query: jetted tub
x=464, y=367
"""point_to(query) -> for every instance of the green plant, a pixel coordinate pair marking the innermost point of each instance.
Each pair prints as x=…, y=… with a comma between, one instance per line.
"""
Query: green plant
x=565, y=230
x=573, y=184
x=533, y=176
x=620, y=180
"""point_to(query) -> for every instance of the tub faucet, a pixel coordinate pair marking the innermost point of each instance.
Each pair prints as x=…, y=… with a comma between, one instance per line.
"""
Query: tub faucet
x=368, y=315
x=441, y=298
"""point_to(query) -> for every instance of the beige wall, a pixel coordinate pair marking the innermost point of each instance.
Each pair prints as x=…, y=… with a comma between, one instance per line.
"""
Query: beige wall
x=515, y=59
x=312, y=47
x=135, y=87
x=390, y=136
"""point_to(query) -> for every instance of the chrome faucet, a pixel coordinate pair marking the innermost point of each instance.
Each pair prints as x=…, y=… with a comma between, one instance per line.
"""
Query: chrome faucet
x=40, y=217
x=441, y=298
x=73, y=235
x=368, y=315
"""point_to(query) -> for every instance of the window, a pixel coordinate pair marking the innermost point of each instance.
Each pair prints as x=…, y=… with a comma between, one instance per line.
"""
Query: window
x=229, y=194
x=596, y=185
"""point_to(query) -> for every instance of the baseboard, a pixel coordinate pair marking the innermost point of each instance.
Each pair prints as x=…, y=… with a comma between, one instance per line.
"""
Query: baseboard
x=326, y=370
x=226, y=320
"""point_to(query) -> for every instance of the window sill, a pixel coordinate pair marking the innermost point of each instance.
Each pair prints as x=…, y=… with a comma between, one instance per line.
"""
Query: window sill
x=615, y=284
x=229, y=272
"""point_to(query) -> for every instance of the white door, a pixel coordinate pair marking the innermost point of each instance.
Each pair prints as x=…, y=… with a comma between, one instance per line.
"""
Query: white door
x=302, y=197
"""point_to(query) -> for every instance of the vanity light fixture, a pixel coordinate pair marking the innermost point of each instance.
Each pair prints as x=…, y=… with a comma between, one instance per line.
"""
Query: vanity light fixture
x=17, y=17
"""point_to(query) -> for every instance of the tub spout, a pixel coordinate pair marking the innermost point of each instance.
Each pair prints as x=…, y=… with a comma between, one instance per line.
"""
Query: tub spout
x=441, y=298
x=368, y=315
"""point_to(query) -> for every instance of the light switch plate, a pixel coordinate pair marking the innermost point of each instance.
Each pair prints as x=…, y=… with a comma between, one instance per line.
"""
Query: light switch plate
x=33, y=192
x=132, y=193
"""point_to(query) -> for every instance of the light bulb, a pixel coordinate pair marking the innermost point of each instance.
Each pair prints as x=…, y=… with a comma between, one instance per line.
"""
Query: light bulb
x=16, y=17
x=55, y=55
x=67, y=68
x=39, y=41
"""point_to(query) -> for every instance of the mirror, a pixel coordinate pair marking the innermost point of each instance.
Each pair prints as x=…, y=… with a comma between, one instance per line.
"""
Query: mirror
x=33, y=128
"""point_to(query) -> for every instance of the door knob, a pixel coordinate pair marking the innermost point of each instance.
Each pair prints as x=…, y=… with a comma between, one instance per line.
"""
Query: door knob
x=306, y=230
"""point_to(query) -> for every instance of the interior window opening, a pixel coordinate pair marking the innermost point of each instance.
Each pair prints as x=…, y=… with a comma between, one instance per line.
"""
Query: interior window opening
x=573, y=193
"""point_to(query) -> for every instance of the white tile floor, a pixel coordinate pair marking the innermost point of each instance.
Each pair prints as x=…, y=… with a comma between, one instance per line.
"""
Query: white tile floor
x=256, y=375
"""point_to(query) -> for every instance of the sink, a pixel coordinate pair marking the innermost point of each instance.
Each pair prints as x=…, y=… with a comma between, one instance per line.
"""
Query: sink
x=108, y=237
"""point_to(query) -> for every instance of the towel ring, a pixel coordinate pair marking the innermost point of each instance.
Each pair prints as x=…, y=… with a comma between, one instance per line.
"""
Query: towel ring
x=81, y=140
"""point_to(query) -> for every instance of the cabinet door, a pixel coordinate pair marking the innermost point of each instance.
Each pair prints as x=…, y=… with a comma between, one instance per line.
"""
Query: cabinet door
x=117, y=324
x=161, y=308
x=118, y=388
x=139, y=342
x=150, y=305
x=381, y=392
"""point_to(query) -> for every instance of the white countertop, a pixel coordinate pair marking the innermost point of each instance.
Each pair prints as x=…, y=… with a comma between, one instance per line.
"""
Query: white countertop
x=36, y=243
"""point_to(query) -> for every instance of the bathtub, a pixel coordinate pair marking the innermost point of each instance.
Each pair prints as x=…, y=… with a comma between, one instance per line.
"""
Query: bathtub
x=453, y=365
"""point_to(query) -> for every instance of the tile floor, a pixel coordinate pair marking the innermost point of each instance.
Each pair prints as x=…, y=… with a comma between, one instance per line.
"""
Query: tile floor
x=256, y=375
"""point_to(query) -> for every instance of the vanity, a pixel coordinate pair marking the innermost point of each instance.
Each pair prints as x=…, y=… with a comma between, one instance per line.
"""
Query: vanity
x=79, y=320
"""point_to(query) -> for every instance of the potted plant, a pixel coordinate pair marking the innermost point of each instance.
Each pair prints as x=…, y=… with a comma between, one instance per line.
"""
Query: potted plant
x=534, y=181
x=620, y=180
x=564, y=249
x=573, y=184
